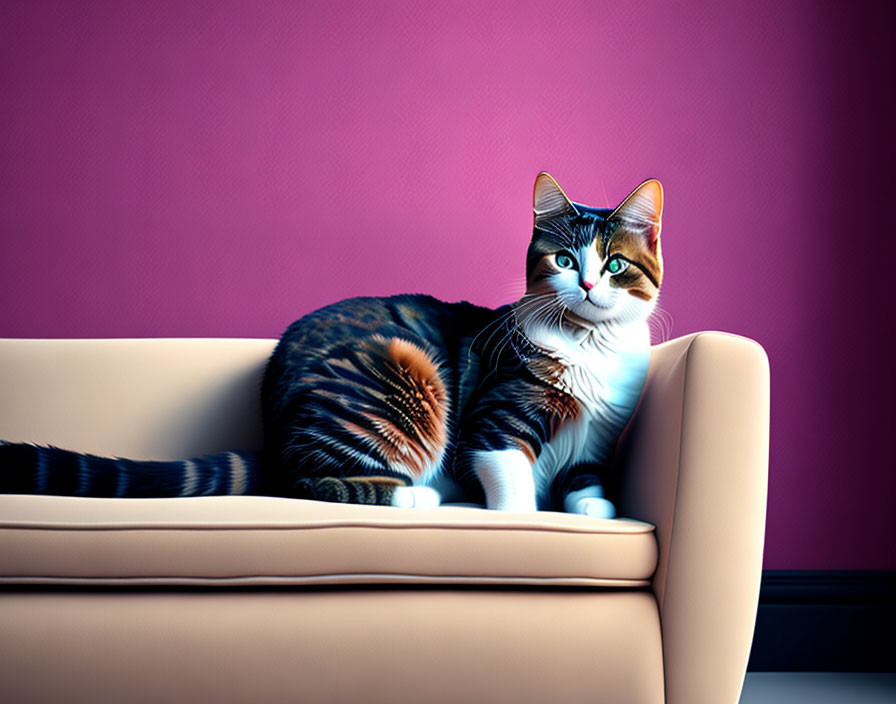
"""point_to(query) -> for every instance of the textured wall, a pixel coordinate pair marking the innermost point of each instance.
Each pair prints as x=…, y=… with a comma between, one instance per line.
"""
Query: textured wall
x=218, y=169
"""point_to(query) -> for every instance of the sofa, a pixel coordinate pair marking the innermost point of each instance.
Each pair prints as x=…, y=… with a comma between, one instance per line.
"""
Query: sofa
x=264, y=599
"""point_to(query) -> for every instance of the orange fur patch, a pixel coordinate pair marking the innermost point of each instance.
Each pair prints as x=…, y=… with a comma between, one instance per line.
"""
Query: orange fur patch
x=424, y=400
x=637, y=293
x=411, y=431
x=526, y=449
x=633, y=247
x=560, y=406
x=384, y=481
x=410, y=357
x=545, y=368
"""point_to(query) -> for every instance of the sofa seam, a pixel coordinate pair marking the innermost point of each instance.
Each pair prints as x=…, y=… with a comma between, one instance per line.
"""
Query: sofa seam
x=473, y=579
x=224, y=527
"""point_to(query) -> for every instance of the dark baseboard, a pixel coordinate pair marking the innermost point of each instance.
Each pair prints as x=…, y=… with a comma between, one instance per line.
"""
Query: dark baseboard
x=831, y=621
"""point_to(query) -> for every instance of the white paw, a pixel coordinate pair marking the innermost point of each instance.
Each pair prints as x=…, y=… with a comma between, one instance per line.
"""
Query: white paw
x=589, y=501
x=594, y=507
x=415, y=497
x=524, y=503
x=507, y=479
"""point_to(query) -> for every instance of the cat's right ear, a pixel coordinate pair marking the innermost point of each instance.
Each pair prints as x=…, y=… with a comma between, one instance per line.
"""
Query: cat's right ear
x=549, y=199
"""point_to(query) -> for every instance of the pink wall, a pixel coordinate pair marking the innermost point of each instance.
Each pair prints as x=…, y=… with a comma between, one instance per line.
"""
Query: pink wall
x=219, y=169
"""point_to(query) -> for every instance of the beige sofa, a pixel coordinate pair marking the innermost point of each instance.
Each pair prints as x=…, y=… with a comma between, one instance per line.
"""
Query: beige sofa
x=257, y=599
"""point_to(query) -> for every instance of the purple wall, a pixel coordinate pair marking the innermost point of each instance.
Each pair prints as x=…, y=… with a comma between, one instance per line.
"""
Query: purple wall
x=220, y=169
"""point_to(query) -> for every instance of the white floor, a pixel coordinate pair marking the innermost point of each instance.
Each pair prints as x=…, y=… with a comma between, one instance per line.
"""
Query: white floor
x=819, y=688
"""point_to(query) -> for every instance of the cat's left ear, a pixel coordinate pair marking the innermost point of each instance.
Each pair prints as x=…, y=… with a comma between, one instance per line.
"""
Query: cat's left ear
x=643, y=211
x=549, y=199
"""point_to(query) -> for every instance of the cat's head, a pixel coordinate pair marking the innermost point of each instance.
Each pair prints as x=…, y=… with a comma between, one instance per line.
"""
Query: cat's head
x=595, y=265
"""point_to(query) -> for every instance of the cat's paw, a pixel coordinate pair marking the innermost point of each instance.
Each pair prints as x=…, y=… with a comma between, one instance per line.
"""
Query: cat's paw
x=594, y=507
x=589, y=502
x=416, y=497
x=507, y=479
x=520, y=504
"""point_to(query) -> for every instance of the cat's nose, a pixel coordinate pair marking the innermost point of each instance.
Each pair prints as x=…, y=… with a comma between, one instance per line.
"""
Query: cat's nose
x=588, y=285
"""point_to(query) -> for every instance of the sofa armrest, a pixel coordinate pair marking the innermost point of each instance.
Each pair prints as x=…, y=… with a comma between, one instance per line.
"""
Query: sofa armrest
x=694, y=462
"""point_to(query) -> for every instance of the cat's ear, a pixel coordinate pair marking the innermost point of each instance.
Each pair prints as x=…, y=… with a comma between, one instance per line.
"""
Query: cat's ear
x=642, y=210
x=549, y=199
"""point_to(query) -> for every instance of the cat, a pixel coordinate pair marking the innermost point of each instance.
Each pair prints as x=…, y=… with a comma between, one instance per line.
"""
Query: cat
x=410, y=401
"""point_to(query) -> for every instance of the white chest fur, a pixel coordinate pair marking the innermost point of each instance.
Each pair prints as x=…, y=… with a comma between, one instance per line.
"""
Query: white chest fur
x=605, y=370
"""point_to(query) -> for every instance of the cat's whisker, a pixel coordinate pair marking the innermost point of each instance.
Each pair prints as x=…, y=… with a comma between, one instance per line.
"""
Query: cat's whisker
x=561, y=308
x=516, y=328
x=539, y=307
x=514, y=288
x=496, y=321
x=604, y=189
x=504, y=319
x=498, y=347
x=555, y=317
x=526, y=301
x=535, y=307
x=544, y=306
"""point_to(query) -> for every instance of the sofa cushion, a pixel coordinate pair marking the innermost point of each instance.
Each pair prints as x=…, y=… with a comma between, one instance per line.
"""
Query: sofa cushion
x=256, y=540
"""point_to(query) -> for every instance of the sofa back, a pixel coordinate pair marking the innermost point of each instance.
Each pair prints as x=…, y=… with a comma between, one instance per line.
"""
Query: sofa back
x=137, y=398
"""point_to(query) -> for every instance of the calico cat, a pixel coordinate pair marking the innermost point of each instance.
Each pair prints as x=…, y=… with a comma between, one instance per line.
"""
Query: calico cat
x=408, y=400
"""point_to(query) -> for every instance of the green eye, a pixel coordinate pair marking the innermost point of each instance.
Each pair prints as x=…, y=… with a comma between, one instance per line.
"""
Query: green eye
x=564, y=261
x=617, y=266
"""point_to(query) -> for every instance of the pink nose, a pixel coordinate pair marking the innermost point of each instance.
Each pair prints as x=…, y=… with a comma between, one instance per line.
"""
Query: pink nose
x=588, y=285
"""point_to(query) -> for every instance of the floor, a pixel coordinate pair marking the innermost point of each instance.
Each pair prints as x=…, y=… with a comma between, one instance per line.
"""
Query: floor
x=819, y=688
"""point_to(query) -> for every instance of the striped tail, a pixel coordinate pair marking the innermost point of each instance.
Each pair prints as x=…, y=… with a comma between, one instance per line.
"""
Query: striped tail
x=30, y=469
